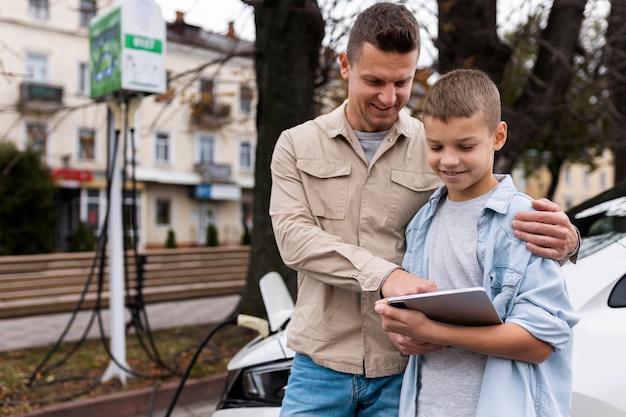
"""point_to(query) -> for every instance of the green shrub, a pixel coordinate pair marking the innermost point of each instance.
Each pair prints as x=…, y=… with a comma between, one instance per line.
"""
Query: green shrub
x=246, y=238
x=170, y=242
x=82, y=239
x=211, y=236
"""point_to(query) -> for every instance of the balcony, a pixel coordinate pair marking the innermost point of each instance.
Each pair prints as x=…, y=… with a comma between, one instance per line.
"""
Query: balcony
x=40, y=98
x=210, y=114
x=214, y=173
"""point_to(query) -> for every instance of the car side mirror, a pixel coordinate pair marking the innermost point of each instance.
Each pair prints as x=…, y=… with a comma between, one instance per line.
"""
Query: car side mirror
x=617, y=298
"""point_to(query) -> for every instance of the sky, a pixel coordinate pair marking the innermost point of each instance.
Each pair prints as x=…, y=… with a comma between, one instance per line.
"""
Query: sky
x=212, y=15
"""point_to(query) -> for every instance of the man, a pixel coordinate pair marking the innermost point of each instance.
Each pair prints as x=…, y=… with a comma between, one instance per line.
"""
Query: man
x=345, y=185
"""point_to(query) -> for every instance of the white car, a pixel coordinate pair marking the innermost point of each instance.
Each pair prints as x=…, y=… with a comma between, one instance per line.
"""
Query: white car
x=597, y=285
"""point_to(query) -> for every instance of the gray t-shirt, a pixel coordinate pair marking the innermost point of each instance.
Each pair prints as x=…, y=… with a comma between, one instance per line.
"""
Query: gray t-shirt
x=451, y=378
x=370, y=141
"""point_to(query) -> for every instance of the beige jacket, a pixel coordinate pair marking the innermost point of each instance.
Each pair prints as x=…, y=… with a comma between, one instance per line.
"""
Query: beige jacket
x=340, y=223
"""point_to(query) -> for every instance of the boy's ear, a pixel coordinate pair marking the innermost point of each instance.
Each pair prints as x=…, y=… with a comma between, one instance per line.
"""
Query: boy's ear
x=499, y=137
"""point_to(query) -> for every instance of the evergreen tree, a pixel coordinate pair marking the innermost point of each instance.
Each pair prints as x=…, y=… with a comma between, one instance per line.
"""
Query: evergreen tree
x=27, y=202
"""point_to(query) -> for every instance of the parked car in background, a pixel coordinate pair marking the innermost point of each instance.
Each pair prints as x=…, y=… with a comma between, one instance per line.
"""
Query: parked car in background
x=597, y=285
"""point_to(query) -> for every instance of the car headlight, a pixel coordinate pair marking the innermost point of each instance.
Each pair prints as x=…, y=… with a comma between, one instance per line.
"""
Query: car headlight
x=267, y=382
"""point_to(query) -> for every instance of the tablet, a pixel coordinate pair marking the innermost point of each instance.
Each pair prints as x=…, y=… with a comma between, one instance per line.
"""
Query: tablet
x=463, y=306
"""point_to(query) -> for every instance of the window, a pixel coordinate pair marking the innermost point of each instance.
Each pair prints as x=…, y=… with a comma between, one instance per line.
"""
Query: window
x=86, y=143
x=162, y=147
x=83, y=78
x=36, y=136
x=92, y=200
x=130, y=214
x=246, y=155
x=163, y=212
x=87, y=11
x=37, y=67
x=206, y=91
x=38, y=8
x=245, y=99
x=206, y=149
x=568, y=176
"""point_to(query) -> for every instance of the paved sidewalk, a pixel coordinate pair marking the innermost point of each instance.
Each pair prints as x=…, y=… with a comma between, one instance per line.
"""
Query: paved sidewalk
x=35, y=331
x=197, y=409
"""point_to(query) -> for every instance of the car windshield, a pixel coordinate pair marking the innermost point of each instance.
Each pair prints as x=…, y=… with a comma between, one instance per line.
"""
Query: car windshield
x=601, y=220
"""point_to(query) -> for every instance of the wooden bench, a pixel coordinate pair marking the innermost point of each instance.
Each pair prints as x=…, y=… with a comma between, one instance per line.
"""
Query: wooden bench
x=52, y=283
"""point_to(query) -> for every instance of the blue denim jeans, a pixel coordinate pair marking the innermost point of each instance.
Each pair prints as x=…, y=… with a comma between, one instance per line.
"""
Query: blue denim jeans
x=313, y=390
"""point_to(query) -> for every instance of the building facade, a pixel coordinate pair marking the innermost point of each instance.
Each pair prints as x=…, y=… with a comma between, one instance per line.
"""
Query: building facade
x=577, y=182
x=188, y=155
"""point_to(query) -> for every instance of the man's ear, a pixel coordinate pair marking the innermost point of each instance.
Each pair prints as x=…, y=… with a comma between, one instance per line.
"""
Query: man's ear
x=499, y=137
x=344, y=65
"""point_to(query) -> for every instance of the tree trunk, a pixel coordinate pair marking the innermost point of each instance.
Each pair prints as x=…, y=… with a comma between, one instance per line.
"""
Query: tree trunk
x=535, y=115
x=288, y=40
x=616, y=40
x=467, y=38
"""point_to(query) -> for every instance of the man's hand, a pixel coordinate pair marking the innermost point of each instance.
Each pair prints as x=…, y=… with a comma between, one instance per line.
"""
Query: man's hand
x=400, y=282
x=547, y=231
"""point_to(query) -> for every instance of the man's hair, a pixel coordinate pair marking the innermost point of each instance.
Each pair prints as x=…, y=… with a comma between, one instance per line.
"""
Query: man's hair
x=462, y=93
x=387, y=26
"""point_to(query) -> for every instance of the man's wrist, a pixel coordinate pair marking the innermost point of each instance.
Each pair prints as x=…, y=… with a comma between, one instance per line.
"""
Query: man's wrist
x=573, y=255
x=382, y=282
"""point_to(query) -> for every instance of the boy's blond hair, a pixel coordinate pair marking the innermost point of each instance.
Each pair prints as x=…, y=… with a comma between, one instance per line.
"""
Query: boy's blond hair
x=462, y=93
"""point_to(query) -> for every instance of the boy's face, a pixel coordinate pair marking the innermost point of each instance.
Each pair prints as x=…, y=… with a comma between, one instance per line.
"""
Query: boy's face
x=379, y=86
x=461, y=153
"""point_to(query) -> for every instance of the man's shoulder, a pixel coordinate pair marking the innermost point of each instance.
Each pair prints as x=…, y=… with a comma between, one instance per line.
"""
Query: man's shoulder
x=324, y=122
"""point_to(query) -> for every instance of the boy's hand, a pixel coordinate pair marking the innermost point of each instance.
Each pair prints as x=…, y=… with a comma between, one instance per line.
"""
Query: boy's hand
x=397, y=322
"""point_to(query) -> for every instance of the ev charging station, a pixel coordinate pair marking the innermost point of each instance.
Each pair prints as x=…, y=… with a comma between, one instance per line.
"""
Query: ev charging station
x=127, y=61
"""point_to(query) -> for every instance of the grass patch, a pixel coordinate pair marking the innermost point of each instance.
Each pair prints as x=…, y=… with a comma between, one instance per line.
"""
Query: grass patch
x=164, y=359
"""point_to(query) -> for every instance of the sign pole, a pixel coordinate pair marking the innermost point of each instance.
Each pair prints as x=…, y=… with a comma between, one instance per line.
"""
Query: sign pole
x=127, y=58
x=118, y=368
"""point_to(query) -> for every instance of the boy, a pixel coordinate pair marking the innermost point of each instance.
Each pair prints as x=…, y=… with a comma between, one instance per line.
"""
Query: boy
x=519, y=368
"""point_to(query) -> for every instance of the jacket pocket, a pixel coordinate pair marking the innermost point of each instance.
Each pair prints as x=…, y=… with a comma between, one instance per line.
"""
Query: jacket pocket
x=409, y=192
x=504, y=288
x=326, y=186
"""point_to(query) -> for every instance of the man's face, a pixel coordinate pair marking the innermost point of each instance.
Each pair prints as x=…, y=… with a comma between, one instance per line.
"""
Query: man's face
x=379, y=86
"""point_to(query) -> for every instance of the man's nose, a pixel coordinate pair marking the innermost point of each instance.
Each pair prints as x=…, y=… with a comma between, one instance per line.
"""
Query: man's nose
x=388, y=94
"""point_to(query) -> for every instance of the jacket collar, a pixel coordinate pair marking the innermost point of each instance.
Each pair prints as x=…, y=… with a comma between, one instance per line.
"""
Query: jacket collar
x=499, y=200
x=337, y=124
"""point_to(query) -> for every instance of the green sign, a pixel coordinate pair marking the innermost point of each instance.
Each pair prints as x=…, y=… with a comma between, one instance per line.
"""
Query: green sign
x=127, y=53
x=143, y=43
x=106, y=53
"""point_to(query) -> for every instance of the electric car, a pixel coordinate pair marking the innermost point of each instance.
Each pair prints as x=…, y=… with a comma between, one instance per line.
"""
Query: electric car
x=597, y=287
x=257, y=375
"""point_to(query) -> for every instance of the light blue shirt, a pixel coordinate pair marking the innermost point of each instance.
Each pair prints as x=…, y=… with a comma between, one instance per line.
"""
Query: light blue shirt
x=527, y=290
